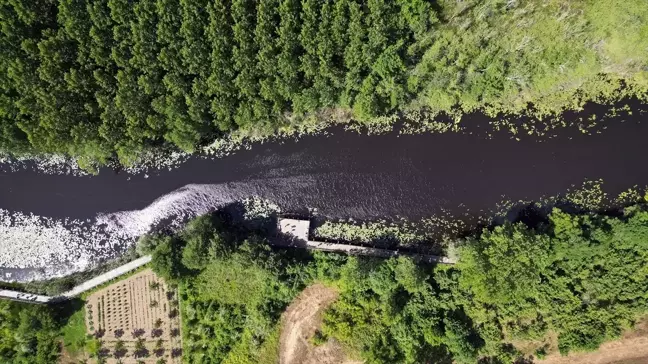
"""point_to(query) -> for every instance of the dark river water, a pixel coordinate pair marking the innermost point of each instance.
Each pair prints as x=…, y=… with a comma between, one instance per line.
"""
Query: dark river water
x=351, y=175
x=347, y=175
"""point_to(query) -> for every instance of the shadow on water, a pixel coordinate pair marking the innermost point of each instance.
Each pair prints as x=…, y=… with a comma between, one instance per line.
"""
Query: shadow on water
x=348, y=175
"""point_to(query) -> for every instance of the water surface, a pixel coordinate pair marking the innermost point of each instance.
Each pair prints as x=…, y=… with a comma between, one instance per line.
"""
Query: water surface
x=341, y=175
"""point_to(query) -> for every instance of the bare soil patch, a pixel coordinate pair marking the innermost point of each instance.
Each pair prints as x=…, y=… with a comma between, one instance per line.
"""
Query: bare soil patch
x=300, y=322
x=632, y=348
x=136, y=319
x=67, y=358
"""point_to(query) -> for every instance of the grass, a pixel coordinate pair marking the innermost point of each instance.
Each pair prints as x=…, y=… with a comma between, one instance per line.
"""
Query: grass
x=74, y=332
x=269, y=351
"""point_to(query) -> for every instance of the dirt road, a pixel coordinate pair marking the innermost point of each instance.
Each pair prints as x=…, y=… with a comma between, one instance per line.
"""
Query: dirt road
x=632, y=348
x=300, y=322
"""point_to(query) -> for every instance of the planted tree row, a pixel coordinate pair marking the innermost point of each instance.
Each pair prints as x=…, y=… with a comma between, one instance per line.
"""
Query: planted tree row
x=94, y=77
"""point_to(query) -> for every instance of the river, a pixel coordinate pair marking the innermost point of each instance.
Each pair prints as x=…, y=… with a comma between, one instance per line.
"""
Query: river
x=341, y=175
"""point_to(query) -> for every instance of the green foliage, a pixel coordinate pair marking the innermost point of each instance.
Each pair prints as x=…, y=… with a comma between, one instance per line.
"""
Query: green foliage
x=166, y=259
x=74, y=332
x=506, y=56
x=113, y=77
x=233, y=305
x=503, y=267
x=98, y=79
x=580, y=277
x=28, y=333
x=198, y=236
x=388, y=311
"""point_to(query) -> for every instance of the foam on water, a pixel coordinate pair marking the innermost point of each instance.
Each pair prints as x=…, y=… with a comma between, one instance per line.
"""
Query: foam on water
x=172, y=209
x=51, y=248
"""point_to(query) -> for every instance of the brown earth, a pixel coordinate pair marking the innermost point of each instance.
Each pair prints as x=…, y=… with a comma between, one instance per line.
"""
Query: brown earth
x=300, y=322
x=140, y=308
x=67, y=358
x=632, y=348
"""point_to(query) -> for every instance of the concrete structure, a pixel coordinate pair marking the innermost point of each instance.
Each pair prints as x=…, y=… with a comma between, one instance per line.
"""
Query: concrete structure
x=108, y=276
x=297, y=228
x=24, y=297
x=300, y=230
x=375, y=252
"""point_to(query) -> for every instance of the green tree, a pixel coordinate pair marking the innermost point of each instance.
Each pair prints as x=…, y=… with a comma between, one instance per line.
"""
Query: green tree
x=289, y=79
x=166, y=259
x=221, y=80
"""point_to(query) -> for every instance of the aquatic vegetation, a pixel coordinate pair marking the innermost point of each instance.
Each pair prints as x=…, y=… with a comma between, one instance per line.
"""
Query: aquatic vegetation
x=402, y=232
x=86, y=81
x=590, y=196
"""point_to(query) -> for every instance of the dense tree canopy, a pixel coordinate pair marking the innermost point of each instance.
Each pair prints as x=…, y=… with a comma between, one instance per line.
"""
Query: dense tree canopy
x=28, y=334
x=568, y=284
x=581, y=279
x=91, y=78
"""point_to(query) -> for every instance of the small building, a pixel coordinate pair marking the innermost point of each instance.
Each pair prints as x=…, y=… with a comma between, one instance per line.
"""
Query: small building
x=297, y=228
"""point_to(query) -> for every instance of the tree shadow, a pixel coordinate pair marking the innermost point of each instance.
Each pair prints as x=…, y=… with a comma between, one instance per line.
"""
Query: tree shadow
x=137, y=333
x=63, y=309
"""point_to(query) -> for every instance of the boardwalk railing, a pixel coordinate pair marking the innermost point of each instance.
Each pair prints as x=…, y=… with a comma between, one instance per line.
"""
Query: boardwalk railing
x=83, y=287
x=299, y=229
x=375, y=252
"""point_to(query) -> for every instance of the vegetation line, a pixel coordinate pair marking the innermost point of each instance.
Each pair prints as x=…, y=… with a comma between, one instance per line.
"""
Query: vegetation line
x=83, y=287
x=99, y=79
x=130, y=266
x=562, y=282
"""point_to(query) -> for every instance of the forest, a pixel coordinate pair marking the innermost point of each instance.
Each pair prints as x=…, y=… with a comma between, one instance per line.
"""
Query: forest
x=105, y=79
x=519, y=291
x=580, y=277
x=29, y=333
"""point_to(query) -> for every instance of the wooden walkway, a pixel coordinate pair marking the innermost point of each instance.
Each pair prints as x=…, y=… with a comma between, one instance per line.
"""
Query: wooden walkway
x=299, y=229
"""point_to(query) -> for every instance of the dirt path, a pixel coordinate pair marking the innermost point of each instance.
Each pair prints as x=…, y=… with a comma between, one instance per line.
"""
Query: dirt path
x=299, y=324
x=632, y=348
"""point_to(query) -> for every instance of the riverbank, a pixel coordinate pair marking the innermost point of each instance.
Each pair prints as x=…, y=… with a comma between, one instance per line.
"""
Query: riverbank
x=265, y=69
x=218, y=263
x=60, y=224
x=592, y=119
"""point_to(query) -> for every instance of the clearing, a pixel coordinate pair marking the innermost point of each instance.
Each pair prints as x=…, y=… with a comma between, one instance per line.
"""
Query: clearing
x=632, y=348
x=299, y=324
x=136, y=319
